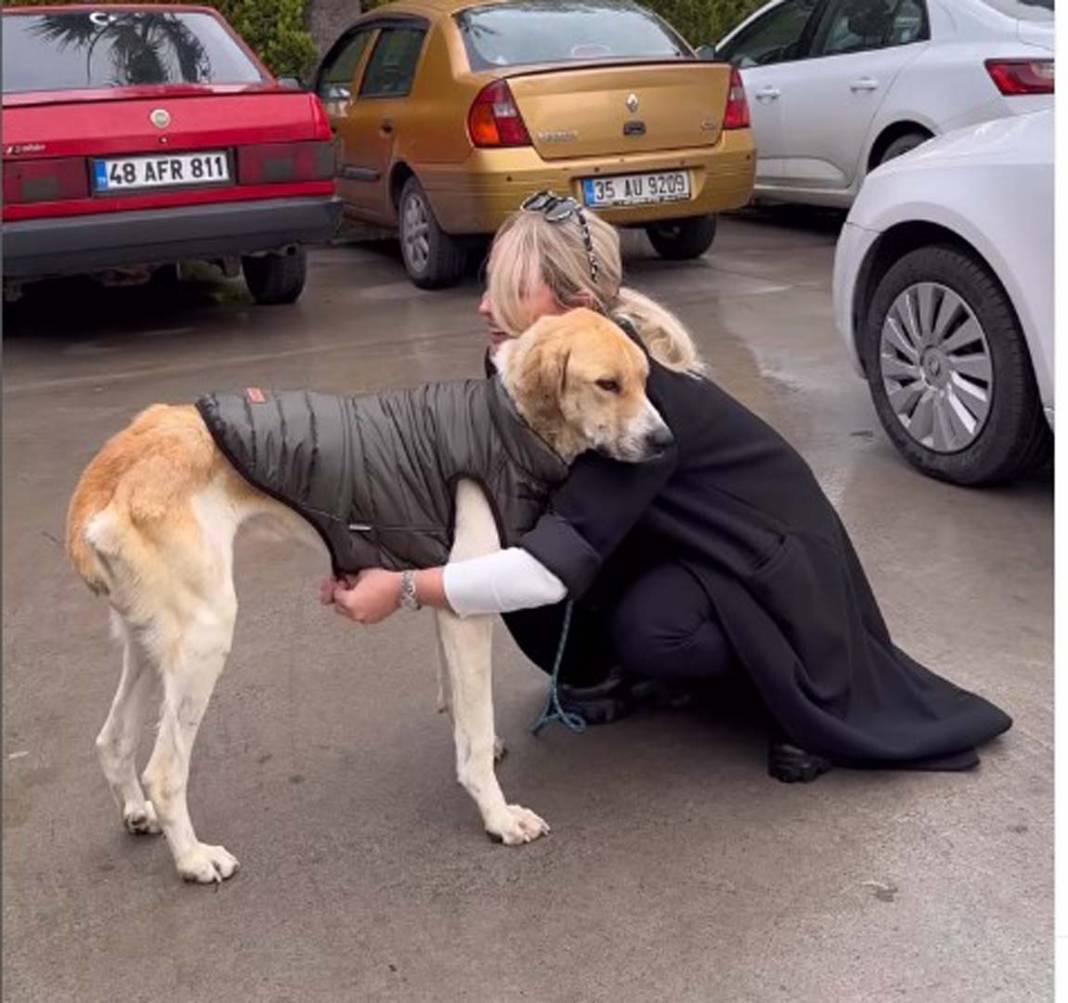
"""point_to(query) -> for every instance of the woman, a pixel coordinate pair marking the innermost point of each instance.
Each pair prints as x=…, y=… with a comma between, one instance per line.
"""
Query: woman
x=721, y=557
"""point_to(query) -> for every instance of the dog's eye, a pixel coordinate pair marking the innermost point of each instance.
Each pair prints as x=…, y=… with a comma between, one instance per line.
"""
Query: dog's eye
x=610, y=386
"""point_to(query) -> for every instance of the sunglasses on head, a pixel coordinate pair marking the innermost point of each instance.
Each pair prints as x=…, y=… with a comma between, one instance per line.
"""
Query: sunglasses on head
x=559, y=208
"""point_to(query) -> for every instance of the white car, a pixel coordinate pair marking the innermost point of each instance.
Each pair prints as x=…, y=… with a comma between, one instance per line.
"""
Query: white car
x=943, y=292
x=837, y=87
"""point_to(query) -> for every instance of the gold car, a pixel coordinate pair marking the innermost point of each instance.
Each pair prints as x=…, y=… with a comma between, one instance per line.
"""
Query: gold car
x=449, y=113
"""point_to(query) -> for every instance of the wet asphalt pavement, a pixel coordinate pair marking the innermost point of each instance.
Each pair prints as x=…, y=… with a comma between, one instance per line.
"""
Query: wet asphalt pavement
x=676, y=869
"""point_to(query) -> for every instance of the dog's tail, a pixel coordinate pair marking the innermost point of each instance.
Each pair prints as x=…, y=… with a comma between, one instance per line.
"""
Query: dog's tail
x=144, y=473
x=90, y=564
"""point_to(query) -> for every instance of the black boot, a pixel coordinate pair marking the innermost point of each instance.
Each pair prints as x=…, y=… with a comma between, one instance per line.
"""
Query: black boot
x=793, y=765
x=661, y=695
x=599, y=703
x=617, y=695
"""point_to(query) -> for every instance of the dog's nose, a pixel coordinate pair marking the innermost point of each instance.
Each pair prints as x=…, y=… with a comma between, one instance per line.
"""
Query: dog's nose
x=660, y=438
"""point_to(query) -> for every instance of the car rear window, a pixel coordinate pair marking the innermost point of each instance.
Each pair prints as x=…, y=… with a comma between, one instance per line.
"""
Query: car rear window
x=550, y=31
x=1025, y=10
x=73, y=50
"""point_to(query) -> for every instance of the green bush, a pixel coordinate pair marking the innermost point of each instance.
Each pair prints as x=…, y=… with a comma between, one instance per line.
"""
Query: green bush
x=703, y=22
x=273, y=28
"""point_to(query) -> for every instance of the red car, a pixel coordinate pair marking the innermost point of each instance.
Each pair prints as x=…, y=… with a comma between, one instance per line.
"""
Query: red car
x=149, y=135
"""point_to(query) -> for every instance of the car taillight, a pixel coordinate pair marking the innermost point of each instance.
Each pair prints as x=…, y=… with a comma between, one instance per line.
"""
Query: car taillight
x=45, y=180
x=1021, y=76
x=494, y=120
x=737, y=114
x=274, y=163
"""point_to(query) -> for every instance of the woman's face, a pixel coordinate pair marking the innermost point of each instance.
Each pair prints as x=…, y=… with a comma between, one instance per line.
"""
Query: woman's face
x=539, y=302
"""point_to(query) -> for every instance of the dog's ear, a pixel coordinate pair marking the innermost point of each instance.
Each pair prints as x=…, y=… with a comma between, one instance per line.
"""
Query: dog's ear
x=542, y=376
x=563, y=371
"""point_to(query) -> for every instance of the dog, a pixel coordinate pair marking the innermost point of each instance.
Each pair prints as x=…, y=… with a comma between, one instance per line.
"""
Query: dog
x=151, y=526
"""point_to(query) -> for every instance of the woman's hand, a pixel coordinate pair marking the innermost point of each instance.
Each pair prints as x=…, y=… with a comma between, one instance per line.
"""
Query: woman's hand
x=367, y=598
x=326, y=591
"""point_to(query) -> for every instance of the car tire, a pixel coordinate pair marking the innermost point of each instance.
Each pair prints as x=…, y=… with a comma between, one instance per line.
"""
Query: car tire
x=432, y=258
x=276, y=278
x=682, y=239
x=902, y=145
x=925, y=364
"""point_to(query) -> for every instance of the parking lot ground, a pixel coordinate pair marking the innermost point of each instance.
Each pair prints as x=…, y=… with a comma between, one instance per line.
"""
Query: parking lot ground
x=676, y=869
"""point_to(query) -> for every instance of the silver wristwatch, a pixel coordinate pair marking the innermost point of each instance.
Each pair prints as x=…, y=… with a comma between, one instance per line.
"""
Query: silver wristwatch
x=408, y=598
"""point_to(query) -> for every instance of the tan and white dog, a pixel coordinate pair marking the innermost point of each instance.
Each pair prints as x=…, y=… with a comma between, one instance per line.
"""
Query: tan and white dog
x=152, y=523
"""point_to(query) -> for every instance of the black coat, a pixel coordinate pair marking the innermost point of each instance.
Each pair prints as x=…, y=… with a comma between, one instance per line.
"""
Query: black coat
x=737, y=505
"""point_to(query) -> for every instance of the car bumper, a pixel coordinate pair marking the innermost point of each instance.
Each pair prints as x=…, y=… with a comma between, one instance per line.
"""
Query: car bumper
x=998, y=108
x=850, y=256
x=479, y=195
x=77, y=244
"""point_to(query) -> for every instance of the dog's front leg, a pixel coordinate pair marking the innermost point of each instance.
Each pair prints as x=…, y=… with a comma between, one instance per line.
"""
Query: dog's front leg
x=445, y=698
x=467, y=683
x=467, y=650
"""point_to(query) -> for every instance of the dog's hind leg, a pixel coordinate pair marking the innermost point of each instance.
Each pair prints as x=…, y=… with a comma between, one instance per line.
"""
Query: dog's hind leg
x=193, y=632
x=117, y=743
x=190, y=667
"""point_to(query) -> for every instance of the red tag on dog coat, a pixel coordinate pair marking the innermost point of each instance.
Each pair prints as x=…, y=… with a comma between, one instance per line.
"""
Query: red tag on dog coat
x=255, y=395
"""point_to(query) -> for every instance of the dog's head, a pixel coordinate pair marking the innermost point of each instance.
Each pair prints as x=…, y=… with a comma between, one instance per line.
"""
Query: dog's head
x=579, y=382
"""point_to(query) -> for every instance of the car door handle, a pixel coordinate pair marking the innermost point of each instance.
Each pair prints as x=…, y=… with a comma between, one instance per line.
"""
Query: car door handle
x=387, y=127
x=768, y=94
x=864, y=84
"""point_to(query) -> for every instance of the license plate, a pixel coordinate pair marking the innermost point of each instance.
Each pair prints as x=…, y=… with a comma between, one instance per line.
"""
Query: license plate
x=173, y=171
x=637, y=189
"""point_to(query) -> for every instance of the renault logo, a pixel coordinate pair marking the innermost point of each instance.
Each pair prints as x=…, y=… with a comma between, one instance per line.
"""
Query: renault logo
x=160, y=118
x=632, y=103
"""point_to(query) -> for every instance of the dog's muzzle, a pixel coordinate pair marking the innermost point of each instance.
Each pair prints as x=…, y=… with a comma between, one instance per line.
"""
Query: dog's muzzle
x=659, y=439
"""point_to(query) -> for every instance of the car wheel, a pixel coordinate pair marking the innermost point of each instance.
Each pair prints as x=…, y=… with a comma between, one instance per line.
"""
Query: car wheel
x=432, y=257
x=949, y=370
x=902, y=145
x=682, y=239
x=276, y=278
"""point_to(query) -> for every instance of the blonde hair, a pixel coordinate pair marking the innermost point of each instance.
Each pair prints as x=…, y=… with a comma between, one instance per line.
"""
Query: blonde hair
x=529, y=250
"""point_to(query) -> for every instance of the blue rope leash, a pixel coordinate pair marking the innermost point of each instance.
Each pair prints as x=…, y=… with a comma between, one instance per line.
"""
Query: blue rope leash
x=553, y=711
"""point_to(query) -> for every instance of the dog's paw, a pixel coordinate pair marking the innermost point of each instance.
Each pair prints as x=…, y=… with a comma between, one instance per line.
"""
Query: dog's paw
x=500, y=750
x=207, y=864
x=517, y=825
x=141, y=821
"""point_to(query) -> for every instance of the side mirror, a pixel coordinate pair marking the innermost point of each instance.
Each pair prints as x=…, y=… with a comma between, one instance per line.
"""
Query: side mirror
x=291, y=83
x=707, y=53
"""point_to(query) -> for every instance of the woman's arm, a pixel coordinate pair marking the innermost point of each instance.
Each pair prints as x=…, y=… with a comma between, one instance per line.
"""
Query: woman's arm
x=592, y=512
x=498, y=583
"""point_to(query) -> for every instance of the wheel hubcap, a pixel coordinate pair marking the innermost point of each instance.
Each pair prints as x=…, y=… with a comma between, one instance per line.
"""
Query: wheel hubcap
x=415, y=235
x=935, y=364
